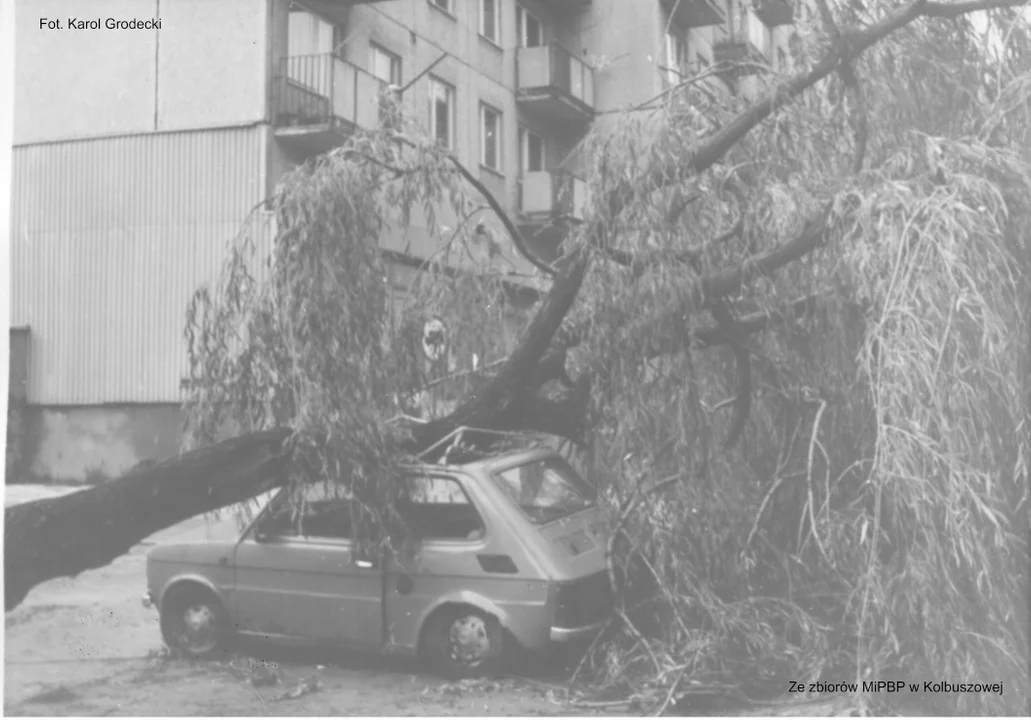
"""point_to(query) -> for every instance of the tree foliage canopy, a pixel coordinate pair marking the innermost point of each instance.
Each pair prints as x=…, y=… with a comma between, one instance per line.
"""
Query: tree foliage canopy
x=861, y=240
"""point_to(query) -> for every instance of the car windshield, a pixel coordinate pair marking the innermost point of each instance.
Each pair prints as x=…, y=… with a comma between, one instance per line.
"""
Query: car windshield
x=546, y=490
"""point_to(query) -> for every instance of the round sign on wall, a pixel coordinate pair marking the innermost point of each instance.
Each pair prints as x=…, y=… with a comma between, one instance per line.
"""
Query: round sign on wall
x=434, y=339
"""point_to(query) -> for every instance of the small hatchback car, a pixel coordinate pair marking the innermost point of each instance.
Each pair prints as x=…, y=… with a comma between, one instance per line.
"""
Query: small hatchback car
x=511, y=549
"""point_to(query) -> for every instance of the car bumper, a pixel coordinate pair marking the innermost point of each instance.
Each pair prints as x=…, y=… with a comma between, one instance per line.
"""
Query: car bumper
x=572, y=635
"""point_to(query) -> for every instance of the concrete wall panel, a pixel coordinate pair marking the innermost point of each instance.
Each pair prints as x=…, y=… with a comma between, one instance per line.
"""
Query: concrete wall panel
x=73, y=443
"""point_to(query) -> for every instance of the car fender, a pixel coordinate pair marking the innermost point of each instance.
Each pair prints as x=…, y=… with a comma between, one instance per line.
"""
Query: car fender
x=527, y=636
x=191, y=578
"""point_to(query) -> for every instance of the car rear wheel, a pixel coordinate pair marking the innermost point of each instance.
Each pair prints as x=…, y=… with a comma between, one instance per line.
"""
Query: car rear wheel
x=462, y=642
x=194, y=622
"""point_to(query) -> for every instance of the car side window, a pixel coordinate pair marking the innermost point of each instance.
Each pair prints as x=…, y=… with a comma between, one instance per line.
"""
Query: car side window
x=438, y=508
x=319, y=510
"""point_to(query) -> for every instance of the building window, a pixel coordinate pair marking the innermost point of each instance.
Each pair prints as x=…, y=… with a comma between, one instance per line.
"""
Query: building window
x=309, y=34
x=531, y=31
x=442, y=112
x=531, y=151
x=490, y=138
x=384, y=65
x=674, y=59
x=489, y=22
x=444, y=5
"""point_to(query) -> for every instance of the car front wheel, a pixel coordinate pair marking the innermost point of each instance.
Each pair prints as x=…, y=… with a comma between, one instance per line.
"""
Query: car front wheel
x=194, y=622
x=465, y=643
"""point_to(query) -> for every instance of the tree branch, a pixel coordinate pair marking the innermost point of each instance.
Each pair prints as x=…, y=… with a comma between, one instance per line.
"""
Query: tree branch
x=670, y=331
x=517, y=238
x=847, y=72
x=513, y=231
x=859, y=40
x=493, y=402
x=953, y=10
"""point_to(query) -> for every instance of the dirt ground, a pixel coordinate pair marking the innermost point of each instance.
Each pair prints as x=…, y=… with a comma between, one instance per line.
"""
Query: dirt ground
x=86, y=646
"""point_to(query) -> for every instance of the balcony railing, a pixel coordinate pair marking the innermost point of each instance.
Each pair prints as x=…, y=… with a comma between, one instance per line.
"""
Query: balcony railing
x=695, y=13
x=552, y=73
x=323, y=92
x=552, y=193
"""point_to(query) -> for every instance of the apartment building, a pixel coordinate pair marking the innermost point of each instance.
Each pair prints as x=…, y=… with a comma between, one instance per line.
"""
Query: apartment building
x=138, y=154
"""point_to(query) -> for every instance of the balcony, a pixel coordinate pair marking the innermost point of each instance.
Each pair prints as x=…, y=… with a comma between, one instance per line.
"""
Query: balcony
x=318, y=100
x=695, y=13
x=551, y=194
x=774, y=12
x=743, y=49
x=554, y=84
x=548, y=200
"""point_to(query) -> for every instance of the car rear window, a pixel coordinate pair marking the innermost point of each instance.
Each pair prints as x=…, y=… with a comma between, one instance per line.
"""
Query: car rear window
x=546, y=490
x=437, y=508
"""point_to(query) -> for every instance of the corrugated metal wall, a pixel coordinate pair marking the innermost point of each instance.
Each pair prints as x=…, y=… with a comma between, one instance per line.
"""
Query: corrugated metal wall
x=110, y=238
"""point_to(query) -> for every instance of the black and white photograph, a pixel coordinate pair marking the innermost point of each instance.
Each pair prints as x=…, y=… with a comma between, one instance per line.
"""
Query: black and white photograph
x=583, y=358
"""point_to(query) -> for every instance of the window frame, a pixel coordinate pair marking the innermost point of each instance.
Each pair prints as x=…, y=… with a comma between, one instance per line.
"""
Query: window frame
x=524, y=150
x=337, y=33
x=674, y=56
x=485, y=110
x=574, y=479
x=396, y=67
x=521, y=15
x=445, y=6
x=451, y=93
x=495, y=32
x=469, y=502
x=280, y=503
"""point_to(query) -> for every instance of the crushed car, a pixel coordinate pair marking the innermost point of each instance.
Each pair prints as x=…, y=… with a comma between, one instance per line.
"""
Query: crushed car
x=510, y=551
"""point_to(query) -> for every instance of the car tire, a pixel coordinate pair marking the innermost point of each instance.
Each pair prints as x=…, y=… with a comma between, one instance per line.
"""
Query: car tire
x=462, y=642
x=194, y=623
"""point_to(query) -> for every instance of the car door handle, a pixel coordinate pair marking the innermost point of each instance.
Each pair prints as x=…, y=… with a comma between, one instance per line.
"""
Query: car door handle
x=363, y=563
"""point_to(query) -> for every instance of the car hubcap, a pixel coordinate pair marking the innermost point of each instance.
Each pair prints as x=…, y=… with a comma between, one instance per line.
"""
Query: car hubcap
x=200, y=628
x=469, y=642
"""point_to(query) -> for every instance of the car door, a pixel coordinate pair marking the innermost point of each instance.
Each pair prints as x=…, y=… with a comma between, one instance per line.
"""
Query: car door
x=451, y=542
x=296, y=574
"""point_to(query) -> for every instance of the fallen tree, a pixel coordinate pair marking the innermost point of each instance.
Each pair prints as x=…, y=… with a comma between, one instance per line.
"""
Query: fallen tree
x=828, y=261
x=63, y=536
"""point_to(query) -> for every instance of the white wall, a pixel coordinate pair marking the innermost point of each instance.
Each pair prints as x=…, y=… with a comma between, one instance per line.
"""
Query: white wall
x=212, y=63
x=76, y=83
x=205, y=67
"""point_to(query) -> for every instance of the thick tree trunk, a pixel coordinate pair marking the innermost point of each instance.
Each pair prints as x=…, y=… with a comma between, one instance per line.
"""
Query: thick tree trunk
x=64, y=536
